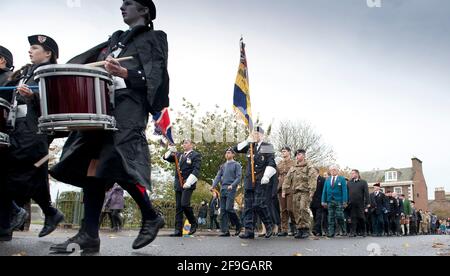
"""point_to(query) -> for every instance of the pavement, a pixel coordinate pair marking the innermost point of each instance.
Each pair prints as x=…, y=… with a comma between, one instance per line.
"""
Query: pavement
x=209, y=244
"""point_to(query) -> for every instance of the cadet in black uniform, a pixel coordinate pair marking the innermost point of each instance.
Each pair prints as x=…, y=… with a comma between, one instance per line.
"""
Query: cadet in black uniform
x=186, y=177
x=123, y=156
x=25, y=181
x=6, y=66
x=255, y=194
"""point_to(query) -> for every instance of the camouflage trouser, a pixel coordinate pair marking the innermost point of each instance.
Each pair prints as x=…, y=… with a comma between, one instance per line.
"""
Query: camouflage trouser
x=335, y=216
x=301, y=210
x=286, y=211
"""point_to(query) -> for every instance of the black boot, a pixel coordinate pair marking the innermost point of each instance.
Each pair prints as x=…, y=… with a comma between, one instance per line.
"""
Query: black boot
x=86, y=243
x=5, y=235
x=148, y=233
x=177, y=234
x=282, y=234
x=299, y=234
x=305, y=233
x=238, y=230
x=18, y=219
x=224, y=235
x=194, y=227
x=292, y=230
x=51, y=223
x=247, y=236
x=269, y=232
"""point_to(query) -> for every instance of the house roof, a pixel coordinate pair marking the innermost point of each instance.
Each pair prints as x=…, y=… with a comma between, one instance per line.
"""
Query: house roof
x=405, y=174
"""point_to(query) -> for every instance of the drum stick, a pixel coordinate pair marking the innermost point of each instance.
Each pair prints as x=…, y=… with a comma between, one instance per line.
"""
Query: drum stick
x=102, y=63
x=42, y=161
x=9, y=88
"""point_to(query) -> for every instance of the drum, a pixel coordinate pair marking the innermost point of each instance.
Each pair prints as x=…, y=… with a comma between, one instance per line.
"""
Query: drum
x=75, y=97
x=5, y=108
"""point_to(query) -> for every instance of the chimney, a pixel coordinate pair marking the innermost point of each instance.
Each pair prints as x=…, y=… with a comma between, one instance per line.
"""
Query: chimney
x=439, y=194
x=417, y=164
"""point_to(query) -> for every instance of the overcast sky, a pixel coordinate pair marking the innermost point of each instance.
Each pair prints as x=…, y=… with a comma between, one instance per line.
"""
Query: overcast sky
x=373, y=81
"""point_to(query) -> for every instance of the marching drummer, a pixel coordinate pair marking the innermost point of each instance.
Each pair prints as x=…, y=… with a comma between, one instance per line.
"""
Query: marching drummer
x=6, y=63
x=24, y=179
x=96, y=160
x=6, y=66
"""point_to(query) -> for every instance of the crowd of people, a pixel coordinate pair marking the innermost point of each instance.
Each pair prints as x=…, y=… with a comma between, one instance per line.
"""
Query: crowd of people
x=299, y=201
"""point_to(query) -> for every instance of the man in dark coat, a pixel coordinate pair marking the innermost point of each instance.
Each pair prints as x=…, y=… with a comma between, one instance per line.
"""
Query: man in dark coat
x=359, y=203
x=186, y=176
x=255, y=197
x=319, y=213
x=377, y=210
x=115, y=203
x=393, y=207
x=96, y=160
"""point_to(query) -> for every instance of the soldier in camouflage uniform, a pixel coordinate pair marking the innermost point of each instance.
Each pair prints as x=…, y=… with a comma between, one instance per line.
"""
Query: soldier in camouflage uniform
x=285, y=203
x=301, y=179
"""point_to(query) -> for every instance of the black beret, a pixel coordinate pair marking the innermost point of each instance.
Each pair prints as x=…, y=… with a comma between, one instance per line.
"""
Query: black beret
x=377, y=185
x=259, y=129
x=7, y=55
x=302, y=151
x=150, y=5
x=47, y=42
x=230, y=149
x=286, y=148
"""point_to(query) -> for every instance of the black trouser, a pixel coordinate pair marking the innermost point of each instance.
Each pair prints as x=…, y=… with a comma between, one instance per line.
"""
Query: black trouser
x=255, y=203
x=227, y=210
x=102, y=218
x=358, y=219
x=117, y=220
x=358, y=225
x=320, y=216
x=272, y=203
x=213, y=222
x=94, y=196
x=5, y=210
x=183, y=206
x=37, y=189
x=394, y=223
x=386, y=224
x=377, y=223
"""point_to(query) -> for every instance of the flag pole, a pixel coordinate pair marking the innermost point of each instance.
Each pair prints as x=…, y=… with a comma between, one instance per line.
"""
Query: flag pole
x=252, y=162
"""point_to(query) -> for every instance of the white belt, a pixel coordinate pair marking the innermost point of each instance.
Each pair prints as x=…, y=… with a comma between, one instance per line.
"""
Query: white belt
x=119, y=83
x=22, y=111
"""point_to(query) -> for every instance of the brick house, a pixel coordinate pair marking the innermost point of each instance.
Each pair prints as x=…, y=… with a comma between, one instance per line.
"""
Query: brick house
x=441, y=204
x=408, y=181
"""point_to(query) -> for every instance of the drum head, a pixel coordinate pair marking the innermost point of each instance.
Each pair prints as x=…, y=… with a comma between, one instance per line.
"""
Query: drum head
x=5, y=104
x=4, y=140
x=72, y=70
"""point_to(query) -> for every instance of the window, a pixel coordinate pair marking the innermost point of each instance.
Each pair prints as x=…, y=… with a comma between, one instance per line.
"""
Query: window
x=398, y=190
x=391, y=176
x=382, y=190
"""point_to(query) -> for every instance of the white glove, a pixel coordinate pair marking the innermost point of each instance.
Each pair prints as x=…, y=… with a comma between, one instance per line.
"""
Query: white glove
x=172, y=149
x=265, y=180
x=186, y=186
x=268, y=173
x=249, y=140
x=192, y=179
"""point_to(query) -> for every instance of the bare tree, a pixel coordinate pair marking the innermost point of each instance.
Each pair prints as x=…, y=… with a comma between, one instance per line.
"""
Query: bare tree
x=301, y=135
